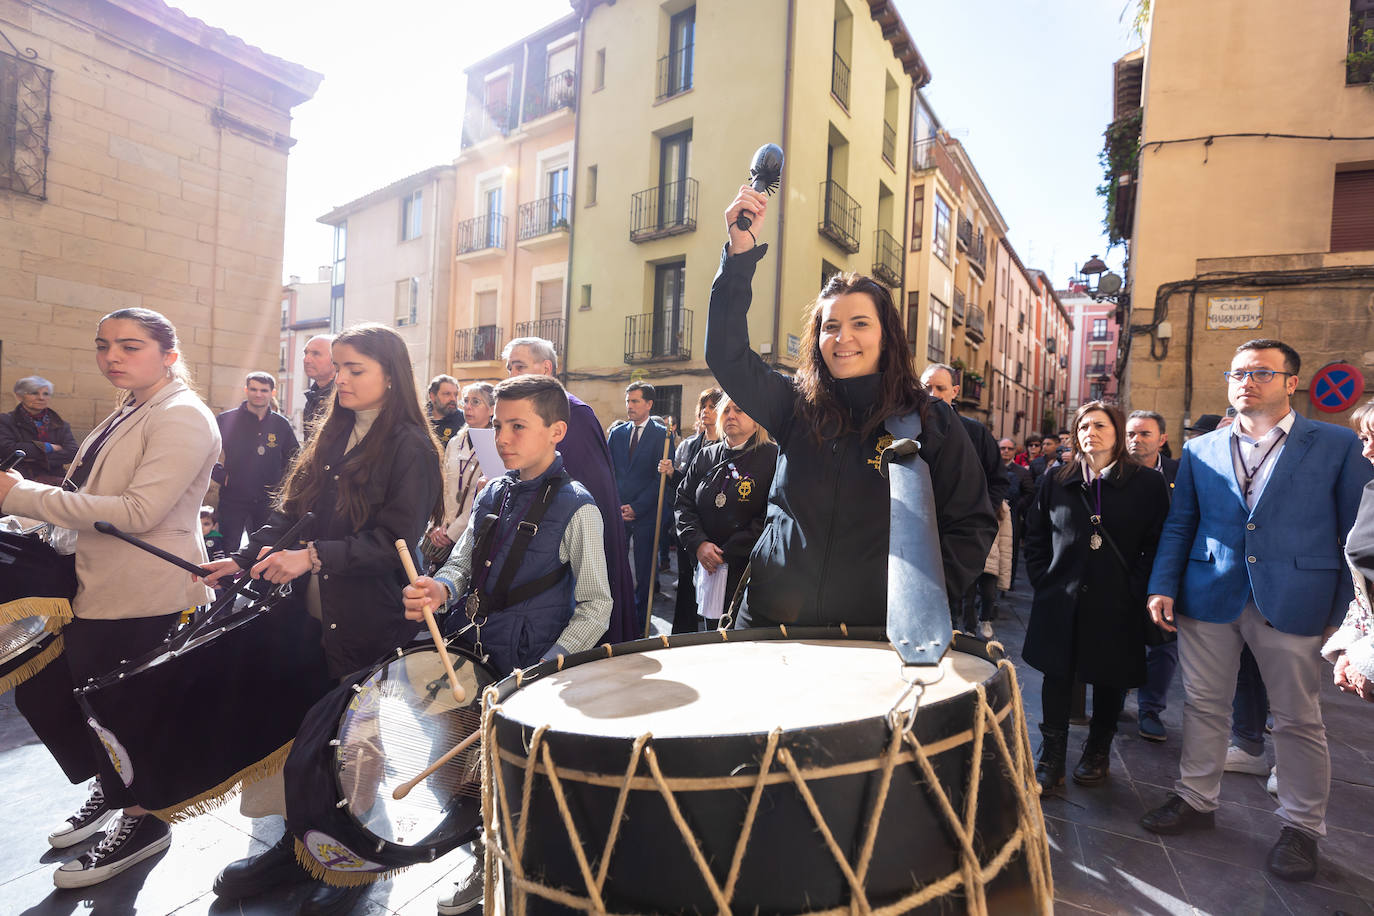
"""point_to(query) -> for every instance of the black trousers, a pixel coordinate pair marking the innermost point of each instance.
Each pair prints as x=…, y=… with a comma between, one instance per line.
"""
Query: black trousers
x=91, y=648
x=1056, y=696
x=685, y=609
x=238, y=516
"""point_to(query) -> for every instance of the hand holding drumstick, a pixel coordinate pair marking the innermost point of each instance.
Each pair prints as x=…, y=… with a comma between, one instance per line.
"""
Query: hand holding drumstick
x=459, y=694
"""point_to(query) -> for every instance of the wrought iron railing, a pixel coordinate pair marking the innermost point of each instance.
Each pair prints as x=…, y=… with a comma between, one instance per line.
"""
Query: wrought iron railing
x=482, y=232
x=978, y=254
x=540, y=217
x=964, y=232
x=472, y=345
x=971, y=390
x=839, y=79
x=662, y=334
x=839, y=216
x=558, y=91
x=551, y=329
x=24, y=119
x=1099, y=336
x=958, y=306
x=923, y=154
x=674, y=72
x=491, y=119
x=668, y=209
x=889, y=143
x=887, y=258
x=974, y=324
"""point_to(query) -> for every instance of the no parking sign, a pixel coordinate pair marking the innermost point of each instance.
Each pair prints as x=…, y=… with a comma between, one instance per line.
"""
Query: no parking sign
x=1336, y=387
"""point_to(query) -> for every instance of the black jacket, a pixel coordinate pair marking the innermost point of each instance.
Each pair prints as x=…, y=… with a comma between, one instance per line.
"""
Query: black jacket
x=990, y=457
x=447, y=426
x=744, y=478
x=256, y=454
x=360, y=576
x=1085, y=598
x=822, y=557
x=316, y=399
x=18, y=431
x=1020, y=489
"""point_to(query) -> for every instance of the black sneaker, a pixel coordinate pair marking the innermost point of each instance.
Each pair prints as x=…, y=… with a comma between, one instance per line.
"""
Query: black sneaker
x=127, y=841
x=84, y=823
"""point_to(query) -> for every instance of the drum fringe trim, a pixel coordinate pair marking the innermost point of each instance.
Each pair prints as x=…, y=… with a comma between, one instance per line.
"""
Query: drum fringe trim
x=1014, y=757
x=51, y=608
x=31, y=667
x=218, y=796
x=333, y=878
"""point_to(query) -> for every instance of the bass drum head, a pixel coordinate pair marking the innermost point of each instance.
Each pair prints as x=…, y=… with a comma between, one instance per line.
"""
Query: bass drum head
x=401, y=719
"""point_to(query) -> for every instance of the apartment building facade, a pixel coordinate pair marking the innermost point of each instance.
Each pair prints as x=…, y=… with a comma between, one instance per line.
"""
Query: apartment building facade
x=935, y=186
x=1049, y=357
x=304, y=314
x=513, y=213
x=665, y=139
x=1093, y=349
x=392, y=264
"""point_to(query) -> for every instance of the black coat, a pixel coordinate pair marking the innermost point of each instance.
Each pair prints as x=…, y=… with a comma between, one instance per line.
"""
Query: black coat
x=990, y=457
x=1088, y=616
x=822, y=557
x=1020, y=489
x=18, y=431
x=316, y=400
x=360, y=576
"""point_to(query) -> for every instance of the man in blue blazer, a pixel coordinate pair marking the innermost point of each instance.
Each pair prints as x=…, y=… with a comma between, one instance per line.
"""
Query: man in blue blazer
x=1252, y=555
x=636, y=449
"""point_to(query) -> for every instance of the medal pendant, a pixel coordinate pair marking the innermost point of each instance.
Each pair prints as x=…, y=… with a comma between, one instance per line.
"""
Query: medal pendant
x=1095, y=542
x=720, y=500
x=261, y=450
x=474, y=603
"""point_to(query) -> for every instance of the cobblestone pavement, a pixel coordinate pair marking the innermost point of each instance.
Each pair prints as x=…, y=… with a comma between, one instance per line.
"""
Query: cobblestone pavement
x=1103, y=861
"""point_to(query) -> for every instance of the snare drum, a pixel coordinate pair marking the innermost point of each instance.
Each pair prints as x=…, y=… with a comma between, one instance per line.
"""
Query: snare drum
x=764, y=770
x=36, y=587
x=377, y=731
x=27, y=646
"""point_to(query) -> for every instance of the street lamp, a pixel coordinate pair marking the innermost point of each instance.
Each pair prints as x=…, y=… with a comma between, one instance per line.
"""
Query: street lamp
x=1101, y=283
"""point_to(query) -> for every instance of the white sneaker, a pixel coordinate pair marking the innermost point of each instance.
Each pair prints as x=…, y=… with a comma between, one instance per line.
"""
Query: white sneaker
x=469, y=889
x=987, y=629
x=127, y=841
x=1238, y=760
x=1272, y=785
x=87, y=822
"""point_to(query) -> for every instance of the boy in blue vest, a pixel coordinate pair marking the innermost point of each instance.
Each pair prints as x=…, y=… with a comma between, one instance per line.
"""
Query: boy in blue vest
x=529, y=573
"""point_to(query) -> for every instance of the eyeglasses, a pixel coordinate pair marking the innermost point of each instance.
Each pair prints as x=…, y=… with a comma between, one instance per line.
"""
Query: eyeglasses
x=1263, y=376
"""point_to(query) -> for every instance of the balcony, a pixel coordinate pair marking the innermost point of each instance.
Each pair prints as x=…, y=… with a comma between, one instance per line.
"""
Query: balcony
x=839, y=216
x=970, y=389
x=674, y=73
x=1064, y=361
x=978, y=255
x=1020, y=371
x=889, y=143
x=664, y=334
x=964, y=233
x=958, y=310
x=492, y=119
x=887, y=258
x=544, y=220
x=481, y=235
x=668, y=209
x=551, y=329
x=1101, y=336
x=839, y=80
x=473, y=345
x=1050, y=345
x=554, y=94
x=1098, y=369
x=974, y=327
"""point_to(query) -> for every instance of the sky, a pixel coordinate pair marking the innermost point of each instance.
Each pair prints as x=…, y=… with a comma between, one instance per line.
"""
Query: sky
x=1024, y=84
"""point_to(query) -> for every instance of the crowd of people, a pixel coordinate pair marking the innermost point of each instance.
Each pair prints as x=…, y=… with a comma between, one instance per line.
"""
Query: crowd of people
x=1140, y=564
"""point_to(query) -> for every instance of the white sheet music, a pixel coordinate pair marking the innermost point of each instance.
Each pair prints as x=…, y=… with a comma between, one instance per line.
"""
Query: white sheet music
x=711, y=591
x=484, y=444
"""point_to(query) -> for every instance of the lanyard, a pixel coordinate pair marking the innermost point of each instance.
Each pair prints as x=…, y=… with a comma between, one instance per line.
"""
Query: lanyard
x=79, y=474
x=1248, y=475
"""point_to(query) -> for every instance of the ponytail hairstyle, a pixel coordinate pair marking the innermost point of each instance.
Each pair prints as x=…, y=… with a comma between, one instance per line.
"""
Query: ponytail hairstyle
x=400, y=413
x=900, y=391
x=163, y=333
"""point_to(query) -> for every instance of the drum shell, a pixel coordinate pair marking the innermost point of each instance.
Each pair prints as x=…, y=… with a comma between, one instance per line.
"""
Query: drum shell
x=191, y=725
x=787, y=866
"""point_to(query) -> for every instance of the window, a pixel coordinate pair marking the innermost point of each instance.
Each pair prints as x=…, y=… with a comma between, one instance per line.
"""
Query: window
x=285, y=313
x=281, y=359
x=1352, y=208
x=556, y=190
x=941, y=236
x=599, y=70
x=828, y=270
x=407, y=301
x=1099, y=362
x=1358, y=67
x=918, y=217
x=25, y=89
x=412, y=215
x=586, y=305
x=913, y=315
x=591, y=185
x=674, y=160
x=670, y=282
x=340, y=252
x=1099, y=329
x=675, y=70
x=935, y=336
x=668, y=403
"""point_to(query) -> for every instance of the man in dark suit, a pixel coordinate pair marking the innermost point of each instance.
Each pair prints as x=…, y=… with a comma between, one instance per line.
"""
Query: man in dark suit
x=1049, y=445
x=1145, y=436
x=1020, y=494
x=636, y=448
x=1251, y=554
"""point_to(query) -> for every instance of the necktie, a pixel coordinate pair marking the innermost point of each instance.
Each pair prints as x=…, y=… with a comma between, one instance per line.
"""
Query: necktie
x=634, y=441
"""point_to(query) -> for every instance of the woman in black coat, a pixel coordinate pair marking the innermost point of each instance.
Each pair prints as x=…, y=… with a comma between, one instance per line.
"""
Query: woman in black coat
x=36, y=428
x=685, y=607
x=823, y=555
x=723, y=499
x=371, y=475
x=1090, y=540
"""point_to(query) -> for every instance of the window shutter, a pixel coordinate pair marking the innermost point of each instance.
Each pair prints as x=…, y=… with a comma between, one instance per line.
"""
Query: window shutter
x=1352, y=211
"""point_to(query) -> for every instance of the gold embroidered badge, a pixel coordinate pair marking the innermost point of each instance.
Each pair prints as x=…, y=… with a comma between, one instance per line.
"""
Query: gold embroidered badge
x=745, y=487
x=877, y=459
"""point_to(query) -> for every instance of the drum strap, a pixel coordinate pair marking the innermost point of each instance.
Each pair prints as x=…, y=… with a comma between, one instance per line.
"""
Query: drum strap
x=917, y=605
x=502, y=595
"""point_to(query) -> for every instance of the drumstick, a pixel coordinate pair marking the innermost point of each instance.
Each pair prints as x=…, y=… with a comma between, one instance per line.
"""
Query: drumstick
x=404, y=788
x=408, y=562
x=112, y=531
x=12, y=462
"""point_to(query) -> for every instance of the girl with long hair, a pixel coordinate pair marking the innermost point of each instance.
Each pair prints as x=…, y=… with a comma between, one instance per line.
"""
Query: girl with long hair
x=823, y=554
x=1090, y=540
x=145, y=469
x=371, y=475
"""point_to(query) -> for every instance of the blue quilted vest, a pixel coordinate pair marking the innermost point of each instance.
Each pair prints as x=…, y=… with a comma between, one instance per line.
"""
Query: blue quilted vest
x=518, y=635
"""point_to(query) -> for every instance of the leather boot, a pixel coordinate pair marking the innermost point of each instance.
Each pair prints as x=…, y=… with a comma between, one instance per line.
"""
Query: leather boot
x=1095, y=763
x=327, y=900
x=1054, y=747
x=260, y=873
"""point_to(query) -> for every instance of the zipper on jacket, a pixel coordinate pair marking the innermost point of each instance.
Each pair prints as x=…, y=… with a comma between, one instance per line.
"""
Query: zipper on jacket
x=829, y=530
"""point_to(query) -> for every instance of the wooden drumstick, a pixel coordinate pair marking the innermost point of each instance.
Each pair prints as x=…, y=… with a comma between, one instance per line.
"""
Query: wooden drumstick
x=404, y=788
x=408, y=562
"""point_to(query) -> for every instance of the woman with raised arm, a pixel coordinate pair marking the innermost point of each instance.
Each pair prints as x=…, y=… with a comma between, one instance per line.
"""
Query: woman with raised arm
x=823, y=554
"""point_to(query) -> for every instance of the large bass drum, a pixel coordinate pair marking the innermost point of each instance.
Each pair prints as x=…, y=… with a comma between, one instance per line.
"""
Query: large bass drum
x=776, y=771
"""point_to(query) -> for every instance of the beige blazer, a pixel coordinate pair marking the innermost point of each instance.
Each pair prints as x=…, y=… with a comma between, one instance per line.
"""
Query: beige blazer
x=148, y=480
